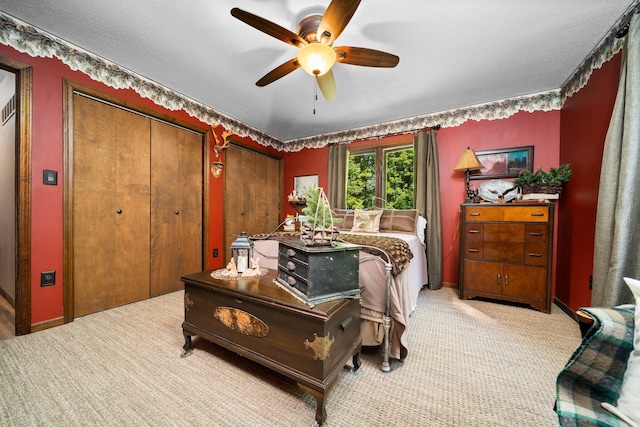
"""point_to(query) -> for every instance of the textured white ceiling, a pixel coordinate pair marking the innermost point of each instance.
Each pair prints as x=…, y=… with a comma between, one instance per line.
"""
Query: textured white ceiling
x=453, y=53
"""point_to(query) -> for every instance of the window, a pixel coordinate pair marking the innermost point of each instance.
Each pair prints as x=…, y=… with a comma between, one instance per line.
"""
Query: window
x=380, y=177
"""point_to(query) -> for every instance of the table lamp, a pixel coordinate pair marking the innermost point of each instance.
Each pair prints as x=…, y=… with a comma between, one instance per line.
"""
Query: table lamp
x=468, y=162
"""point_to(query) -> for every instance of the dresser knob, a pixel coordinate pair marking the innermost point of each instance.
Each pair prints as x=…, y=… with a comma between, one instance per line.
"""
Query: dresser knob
x=291, y=266
x=291, y=252
x=291, y=281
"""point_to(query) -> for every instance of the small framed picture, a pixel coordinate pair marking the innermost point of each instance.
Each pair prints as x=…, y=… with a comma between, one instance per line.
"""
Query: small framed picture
x=302, y=183
x=504, y=162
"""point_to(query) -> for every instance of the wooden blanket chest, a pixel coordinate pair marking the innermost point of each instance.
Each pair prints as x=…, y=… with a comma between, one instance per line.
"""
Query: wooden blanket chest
x=260, y=321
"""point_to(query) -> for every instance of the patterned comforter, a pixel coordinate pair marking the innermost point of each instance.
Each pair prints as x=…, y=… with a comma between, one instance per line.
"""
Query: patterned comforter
x=398, y=249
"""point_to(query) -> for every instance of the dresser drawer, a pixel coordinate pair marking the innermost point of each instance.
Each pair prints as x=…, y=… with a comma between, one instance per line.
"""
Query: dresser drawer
x=512, y=253
x=535, y=254
x=294, y=266
x=474, y=231
x=536, y=233
x=504, y=232
x=289, y=252
x=293, y=280
x=507, y=213
x=474, y=250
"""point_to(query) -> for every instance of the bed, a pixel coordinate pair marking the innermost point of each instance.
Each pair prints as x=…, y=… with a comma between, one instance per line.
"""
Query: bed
x=395, y=252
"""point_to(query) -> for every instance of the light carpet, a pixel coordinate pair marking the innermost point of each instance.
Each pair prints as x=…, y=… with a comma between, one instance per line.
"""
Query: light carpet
x=470, y=363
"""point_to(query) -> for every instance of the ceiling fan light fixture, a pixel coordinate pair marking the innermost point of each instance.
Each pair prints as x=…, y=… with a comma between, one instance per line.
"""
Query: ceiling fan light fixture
x=316, y=58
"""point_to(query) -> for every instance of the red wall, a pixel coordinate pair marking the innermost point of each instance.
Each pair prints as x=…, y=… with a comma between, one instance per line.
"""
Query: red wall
x=540, y=129
x=47, y=153
x=584, y=123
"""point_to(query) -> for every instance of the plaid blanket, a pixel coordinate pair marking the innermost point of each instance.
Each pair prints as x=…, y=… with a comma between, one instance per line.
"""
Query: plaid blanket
x=595, y=370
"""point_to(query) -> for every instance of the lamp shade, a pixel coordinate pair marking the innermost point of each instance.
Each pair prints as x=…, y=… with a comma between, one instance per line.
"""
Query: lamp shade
x=468, y=161
x=316, y=58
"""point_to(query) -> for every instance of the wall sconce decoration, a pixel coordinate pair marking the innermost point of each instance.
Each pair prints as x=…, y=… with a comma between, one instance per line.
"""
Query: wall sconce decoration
x=216, y=169
x=217, y=166
x=468, y=162
x=242, y=252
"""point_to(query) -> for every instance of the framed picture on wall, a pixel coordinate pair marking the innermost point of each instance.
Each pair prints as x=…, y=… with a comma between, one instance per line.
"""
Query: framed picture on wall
x=302, y=183
x=504, y=162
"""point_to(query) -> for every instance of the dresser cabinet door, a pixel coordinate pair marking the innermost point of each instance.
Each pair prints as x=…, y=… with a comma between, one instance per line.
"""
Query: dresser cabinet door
x=483, y=277
x=525, y=282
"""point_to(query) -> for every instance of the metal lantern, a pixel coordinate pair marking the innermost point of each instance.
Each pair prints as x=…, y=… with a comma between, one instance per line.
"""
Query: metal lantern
x=242, y=252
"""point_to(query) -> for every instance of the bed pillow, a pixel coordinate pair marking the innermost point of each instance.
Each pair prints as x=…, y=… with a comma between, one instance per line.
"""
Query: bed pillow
x=346, y=215
x=366, y=221
x=399, y=220
x=628, y=405
x=421, y=227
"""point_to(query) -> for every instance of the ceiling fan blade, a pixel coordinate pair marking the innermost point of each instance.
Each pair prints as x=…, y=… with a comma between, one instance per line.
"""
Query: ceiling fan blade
x=335, y=19
x=365, y=57
x=268, y=27
x=327, y=85
x=278, y=72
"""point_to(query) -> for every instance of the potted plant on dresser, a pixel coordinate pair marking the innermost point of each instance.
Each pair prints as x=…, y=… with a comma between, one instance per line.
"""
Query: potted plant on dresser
x=543, y=185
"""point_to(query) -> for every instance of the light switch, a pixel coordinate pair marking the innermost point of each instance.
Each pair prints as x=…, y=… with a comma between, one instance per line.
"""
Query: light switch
x=49, y=177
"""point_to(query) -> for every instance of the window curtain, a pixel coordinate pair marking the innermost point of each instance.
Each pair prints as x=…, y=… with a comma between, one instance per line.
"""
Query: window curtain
x=617, y=237
x=427, y=190
x=337, y=193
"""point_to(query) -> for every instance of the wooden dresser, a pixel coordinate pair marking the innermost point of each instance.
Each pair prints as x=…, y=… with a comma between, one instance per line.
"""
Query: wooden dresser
x=258, y=320
x=506, y=252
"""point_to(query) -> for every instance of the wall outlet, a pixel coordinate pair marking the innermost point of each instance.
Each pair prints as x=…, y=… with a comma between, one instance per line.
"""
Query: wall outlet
x=48, y=278
x=215, y=253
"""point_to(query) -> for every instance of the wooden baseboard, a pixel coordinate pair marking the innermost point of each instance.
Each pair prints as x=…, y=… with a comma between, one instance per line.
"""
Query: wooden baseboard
x=36, y=327
x=6, y=296
x=566, y=309
x=450, y=285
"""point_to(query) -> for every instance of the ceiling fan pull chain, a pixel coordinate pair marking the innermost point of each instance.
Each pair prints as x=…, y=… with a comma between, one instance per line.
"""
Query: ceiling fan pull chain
x=315, y=95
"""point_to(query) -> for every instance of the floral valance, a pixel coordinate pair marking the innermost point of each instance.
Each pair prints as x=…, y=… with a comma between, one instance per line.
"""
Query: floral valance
x=35, y=42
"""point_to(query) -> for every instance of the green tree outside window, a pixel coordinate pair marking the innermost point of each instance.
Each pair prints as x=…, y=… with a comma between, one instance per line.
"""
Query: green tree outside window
x=392, y=190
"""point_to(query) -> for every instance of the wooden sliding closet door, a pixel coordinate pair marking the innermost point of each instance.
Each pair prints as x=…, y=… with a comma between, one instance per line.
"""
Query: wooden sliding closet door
x=111, y=211
x=137, y=205
x=252, y=193
x=176, y=206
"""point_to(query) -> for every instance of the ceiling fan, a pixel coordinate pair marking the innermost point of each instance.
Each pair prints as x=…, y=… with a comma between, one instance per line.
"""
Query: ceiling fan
x=316, y=34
